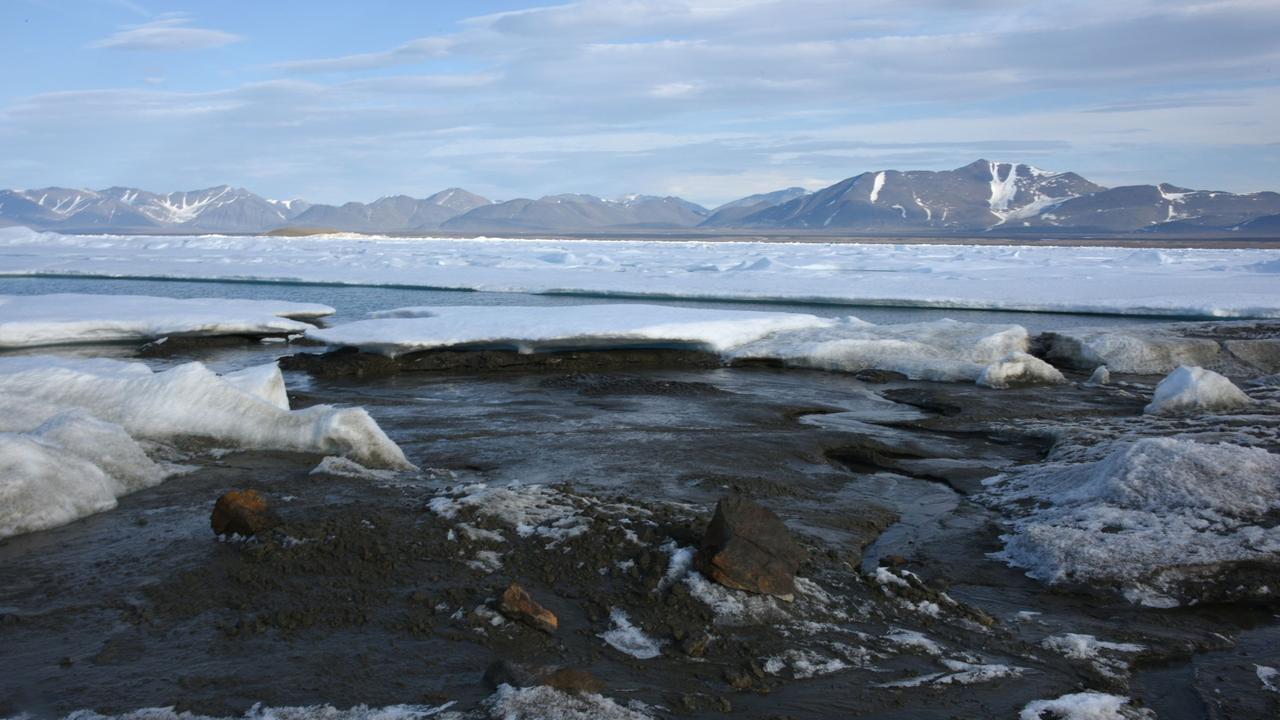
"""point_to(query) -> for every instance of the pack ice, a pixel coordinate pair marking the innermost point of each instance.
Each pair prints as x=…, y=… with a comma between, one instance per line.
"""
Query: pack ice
x=37, y=320
x=1210, y=283
x=943, y=350
x=74, y=433
x=1169, y=521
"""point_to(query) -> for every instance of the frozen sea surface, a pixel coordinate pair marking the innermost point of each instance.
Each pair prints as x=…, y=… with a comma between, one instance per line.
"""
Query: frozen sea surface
x=1166, y=282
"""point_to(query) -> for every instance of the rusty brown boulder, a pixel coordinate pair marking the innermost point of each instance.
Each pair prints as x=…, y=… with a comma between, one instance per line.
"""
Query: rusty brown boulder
x=747, y=547
x=242, y=512
x=517, y=605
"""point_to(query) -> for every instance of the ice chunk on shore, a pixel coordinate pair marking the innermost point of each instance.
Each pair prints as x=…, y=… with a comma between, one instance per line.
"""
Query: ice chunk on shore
x=1085, y=706
x=38, y=320
x=69, y=467
x=530, y=329
x=945, y=350
x=546, y=703
x=1148, y=350
x=1194, y=388
x=1157, y=517
x=1019, y=368
x=70, y=430
x=189, y=400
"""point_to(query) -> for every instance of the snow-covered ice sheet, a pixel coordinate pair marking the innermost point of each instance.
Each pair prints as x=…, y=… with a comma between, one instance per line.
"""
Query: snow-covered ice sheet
x=1181, y=282
x=73, y=433
x=1147, y=517
x=37, y=320
x=943, y=350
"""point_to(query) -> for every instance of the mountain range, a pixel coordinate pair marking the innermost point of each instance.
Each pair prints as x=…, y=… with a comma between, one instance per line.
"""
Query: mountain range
x=982, y=197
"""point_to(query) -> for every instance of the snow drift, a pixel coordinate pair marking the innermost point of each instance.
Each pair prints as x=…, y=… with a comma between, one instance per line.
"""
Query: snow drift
x=72, y=432
x=37, y=320
x=1164, y=519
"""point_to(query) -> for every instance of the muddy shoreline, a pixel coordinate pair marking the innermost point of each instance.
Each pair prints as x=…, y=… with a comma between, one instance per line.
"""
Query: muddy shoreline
x=366, y=596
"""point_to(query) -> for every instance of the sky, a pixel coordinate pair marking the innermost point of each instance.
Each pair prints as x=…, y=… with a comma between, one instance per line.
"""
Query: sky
x=706, y=99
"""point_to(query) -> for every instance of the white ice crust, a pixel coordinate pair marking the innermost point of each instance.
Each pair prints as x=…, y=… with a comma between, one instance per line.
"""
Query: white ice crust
x=1143, y=515
x=74, y=433
x=1172, y=282
x=39, y=320
x=1085, y=706
x=943, y=350
x=1194, y=389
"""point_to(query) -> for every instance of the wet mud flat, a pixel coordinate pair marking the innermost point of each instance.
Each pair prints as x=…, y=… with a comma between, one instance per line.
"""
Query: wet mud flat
x=590, y=481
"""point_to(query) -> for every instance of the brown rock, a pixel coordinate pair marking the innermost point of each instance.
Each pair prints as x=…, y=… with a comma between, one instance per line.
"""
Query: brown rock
x=746, y=547
x=572, y=680
x=517, y=605
x=242, y=512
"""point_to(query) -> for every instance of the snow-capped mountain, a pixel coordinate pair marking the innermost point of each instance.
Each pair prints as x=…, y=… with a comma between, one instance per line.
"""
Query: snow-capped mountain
x=216, y=209
x=981, y=197
x=396, y=213
x=581, y=212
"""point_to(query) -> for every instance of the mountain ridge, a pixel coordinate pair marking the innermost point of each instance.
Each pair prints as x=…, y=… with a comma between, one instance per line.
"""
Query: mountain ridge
x=981, y=197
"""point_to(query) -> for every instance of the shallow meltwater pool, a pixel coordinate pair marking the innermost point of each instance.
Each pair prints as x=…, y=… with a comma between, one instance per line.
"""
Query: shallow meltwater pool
x=591, y=487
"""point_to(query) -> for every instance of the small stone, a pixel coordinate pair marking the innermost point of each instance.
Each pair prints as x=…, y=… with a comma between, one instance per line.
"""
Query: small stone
x=573, y=680
x=893, y=561
x=747, y=547
x=695, y=645
x=242, y=512
x=517, y=605
x=738, y=679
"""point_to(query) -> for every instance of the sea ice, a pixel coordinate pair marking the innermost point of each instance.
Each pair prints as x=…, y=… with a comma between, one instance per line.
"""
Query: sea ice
x=1207, y=282
x=1149, y=517
x=37, y=320
x=548, y=328
x=944, y=350
x=1149, y=350
x=1195, y=389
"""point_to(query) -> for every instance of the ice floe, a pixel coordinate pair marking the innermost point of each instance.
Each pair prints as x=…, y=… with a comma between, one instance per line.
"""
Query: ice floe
x=1212, y=283
x=1158, y=517
x=74, y=433
x=1190, y=389
x=38, y=320
x=532, y=329
x=944, y=350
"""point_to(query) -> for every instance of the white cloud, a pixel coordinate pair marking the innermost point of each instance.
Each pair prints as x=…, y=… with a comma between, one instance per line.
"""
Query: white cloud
x=167, y=33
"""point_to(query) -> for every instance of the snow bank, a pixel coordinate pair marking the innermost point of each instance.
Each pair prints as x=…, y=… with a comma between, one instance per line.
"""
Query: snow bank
x=1085, y=706
x=70, y=430
x=944, y=350
x=1158, y=518
x=531, y=329
x=1211, y=283
x=1194, y=388
x=36, y=320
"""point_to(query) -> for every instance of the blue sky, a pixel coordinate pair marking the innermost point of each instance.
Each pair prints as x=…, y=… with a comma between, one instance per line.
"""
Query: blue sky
x=707, y=99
